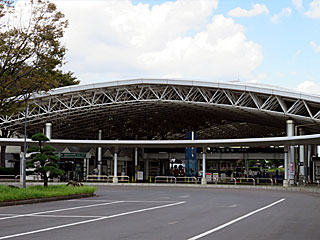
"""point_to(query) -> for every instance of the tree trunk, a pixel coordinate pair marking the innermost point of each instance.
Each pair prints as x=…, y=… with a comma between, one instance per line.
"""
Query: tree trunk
x=45, y=180
x=3, y=156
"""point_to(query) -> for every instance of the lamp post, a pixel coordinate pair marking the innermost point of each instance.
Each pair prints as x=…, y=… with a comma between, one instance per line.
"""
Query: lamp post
x=24, y=159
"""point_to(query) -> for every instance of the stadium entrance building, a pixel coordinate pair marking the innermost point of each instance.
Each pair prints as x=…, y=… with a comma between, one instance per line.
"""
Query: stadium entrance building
x=141, y=125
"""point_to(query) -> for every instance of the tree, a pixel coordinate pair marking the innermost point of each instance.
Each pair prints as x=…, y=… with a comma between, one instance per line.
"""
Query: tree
x=44, y=159
x=31, y=54
x=30, y=51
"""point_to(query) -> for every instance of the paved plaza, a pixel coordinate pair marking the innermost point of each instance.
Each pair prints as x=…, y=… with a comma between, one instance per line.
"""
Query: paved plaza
x=132, y=212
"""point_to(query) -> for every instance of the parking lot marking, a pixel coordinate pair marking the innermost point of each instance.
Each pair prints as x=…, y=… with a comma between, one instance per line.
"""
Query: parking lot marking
x=91, y=220
x=60, y=210
x=65, y=216
x=232, y=206
x=235, y=220
x=130, y=201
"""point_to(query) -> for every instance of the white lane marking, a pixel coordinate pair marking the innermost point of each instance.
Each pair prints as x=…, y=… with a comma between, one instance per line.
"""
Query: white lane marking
x=89, y=221
x=185, y=196
x=66, y=216
x=172, y=223
x=130, y=201
x=7, y=214
x=232, y=206
x=235, y=220
x=60, y=210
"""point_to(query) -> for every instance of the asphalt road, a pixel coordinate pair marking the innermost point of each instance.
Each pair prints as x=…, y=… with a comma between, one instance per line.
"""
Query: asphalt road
x=129, y=212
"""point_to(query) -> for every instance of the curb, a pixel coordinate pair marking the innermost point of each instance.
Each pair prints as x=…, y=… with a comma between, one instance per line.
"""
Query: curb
x=214, y=186
x=49, y=199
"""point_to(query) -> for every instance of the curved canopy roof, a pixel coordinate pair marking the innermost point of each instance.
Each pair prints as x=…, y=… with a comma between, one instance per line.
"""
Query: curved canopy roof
x=167, y=109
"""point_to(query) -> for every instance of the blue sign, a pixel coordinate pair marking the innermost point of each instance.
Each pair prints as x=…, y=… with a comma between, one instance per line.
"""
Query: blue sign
x=191, y=157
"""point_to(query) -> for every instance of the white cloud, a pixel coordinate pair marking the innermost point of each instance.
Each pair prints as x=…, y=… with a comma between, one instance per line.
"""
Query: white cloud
x=298, y=4
x=115, y=39
x=309, y=87
x=315, y=47
x=285, y=12
x=296, y=55
x=257, y=9
x=314, y=9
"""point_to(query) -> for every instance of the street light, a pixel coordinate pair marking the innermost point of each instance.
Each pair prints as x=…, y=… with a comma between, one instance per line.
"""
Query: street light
x=24, y=159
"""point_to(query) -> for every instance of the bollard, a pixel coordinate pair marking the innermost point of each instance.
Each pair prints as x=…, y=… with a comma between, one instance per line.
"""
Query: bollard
x=240, y=180
x=167, y=180
x=275, y=181
x=188, y=180
x=132, y=179
x=150, y=180
x=171, y=180
x=258, y=181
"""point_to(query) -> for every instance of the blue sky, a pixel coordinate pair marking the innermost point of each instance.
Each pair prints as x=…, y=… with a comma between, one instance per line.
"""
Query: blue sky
x=270, y=42
x=289, y=59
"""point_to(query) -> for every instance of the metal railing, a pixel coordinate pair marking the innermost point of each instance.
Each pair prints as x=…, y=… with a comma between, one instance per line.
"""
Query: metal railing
x=226, y=180
x=106, y=178
x=186, y=180
x=165, y=179
x=9, y=178
x=94, y=178
x=264, y=180
x=245, y=180
x=120, y=178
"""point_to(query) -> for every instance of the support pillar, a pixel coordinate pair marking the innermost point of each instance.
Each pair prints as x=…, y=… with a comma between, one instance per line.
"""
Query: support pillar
x=308, y=172
x=290, y=160
x=302, y=162
x=115, y=165
x=286, y=160
x=203, y=179
x=99, y=156
x=146, y=167
x=135, y=163
x=48, y=130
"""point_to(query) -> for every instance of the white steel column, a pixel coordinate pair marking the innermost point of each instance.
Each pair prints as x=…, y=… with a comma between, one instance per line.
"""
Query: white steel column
x=309, y=147
x=302, y=155
x=99, y=156
x=48, y=131
x=203, y=179
x=286, y=160
x=135, y=163
x=291, y=156
x=115, y=165
x=146, y=165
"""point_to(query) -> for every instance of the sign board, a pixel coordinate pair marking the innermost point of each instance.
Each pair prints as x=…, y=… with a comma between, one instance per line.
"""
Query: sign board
x=72, y=155
x=215, y=176
x=223, y=175
x=208, y=177
x=139, y=175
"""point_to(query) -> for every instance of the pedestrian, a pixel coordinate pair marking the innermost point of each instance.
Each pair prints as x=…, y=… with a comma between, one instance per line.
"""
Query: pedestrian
x=182, y=172
x=175, y=171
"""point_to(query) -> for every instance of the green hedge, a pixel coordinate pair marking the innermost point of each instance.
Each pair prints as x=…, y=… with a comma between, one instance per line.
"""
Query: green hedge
x=12, y=194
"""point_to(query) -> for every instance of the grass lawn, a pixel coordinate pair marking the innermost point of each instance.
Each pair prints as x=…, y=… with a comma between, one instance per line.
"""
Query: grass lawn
x=12, y=194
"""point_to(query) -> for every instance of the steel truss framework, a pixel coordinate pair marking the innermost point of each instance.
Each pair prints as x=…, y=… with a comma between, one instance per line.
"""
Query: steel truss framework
x=166, y=109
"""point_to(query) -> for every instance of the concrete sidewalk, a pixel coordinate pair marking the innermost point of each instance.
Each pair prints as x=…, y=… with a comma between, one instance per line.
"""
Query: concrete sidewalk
x=307, y=188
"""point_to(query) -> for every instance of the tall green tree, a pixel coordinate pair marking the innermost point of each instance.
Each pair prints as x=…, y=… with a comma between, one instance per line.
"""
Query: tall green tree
x=31, y=51
x=31, y=54
x=44, y=159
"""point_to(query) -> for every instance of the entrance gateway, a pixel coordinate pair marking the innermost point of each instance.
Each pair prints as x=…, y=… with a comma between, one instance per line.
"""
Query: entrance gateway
x=221, y=114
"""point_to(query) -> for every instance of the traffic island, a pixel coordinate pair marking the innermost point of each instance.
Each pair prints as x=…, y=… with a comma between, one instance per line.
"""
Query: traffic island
x=11, y=195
